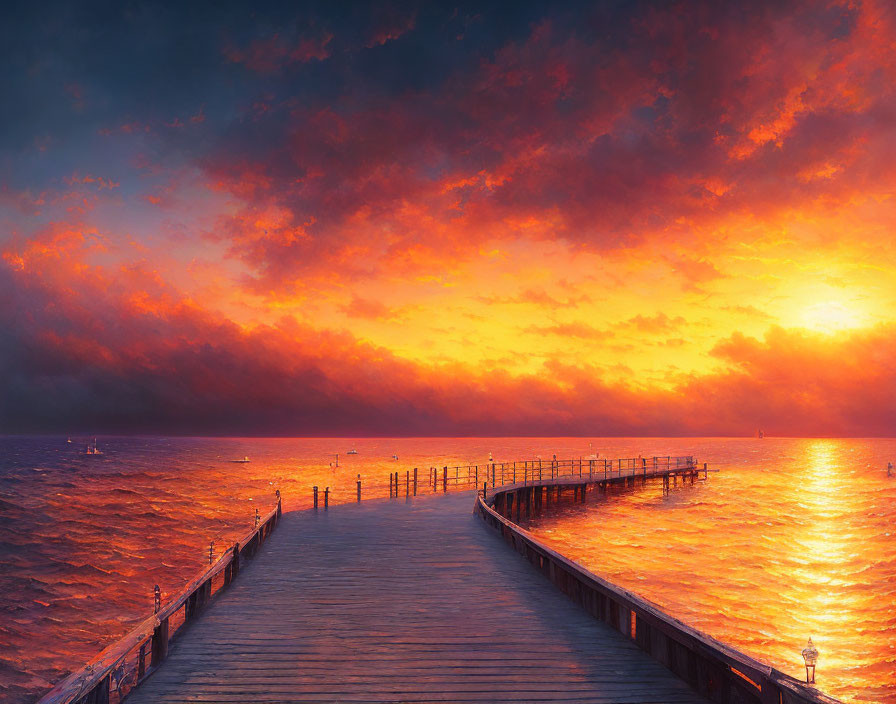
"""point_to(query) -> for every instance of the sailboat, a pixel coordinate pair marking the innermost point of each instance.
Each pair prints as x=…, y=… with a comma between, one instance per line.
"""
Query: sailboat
x=92, y=450
x=69, y=441
x=242, y=461
x=353, y=451
x=760, y=434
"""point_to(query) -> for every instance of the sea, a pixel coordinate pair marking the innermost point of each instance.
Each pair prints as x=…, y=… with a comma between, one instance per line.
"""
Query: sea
x=784, y=540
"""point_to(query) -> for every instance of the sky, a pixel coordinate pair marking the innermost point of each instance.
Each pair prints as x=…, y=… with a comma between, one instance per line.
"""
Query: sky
x=386, y=218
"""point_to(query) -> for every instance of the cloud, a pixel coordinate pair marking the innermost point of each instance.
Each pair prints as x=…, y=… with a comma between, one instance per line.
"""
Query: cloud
x=368, y=308
x=83, y=348
x=656, y=324
x=578, y=330
x=277, y=52
x=390, y=24
x=682, y=121
x=536, y=297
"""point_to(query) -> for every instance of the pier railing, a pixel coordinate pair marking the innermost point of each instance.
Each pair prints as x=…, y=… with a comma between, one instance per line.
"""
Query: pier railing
x=497, y=474
x=721, y=673
x=128, y=661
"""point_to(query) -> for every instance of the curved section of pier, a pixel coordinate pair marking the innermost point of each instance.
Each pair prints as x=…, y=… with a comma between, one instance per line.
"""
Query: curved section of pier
x=721, y=673
x=400, y=601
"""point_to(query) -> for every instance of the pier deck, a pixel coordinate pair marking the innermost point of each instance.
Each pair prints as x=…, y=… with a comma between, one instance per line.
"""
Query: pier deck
x=400, y=601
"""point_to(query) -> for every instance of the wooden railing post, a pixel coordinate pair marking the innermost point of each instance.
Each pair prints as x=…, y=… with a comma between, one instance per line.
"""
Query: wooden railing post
x=407, y=483
x=141, y=662
x=359, y=488
x=445, y=479
x=415, y=481
x=159, y=648
x=315, y=497
x=326, y=497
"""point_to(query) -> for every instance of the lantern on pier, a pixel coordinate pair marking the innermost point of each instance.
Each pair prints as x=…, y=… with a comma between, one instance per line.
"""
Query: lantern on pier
x=810, y=655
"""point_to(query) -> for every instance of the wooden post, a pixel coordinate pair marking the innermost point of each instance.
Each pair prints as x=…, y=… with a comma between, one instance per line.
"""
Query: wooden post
x=235, y=562
x=484, y=490
x=141, y=662
x=100, y=693
x=315, y=497
x=445, y=478
x=326, y=497
x=415, y=481
x=211, y=552
x=257, y=518
x=159, y=648
x=525, y=476
x=476, y=476
x=359, y=488
x=407, y=482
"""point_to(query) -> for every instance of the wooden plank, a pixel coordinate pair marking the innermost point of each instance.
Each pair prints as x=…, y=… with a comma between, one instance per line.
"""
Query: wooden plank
x=383, y=601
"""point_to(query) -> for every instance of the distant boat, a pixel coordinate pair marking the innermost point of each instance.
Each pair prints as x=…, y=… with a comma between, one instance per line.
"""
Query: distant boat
x=761, y=434
x=352, y=452
x=92, y=450
x=69, y=441
x=394, y=457
x=242, y=461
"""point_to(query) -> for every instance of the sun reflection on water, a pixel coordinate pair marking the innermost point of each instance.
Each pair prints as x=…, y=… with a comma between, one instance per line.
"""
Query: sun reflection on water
x=790, y=540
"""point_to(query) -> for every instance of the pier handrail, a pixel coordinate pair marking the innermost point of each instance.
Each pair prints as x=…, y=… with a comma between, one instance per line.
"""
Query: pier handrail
x=497, y=474
x=711, y=667
x=125, y=660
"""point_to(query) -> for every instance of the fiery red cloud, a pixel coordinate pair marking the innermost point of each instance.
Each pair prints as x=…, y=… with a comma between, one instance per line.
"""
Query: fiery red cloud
x=652, y=219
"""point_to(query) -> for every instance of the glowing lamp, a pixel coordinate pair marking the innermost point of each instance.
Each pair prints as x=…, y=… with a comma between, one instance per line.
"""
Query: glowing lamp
x=810, y=655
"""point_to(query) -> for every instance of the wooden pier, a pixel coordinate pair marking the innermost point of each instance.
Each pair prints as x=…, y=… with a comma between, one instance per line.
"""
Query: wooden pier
x=414, y=600
x=394, y=601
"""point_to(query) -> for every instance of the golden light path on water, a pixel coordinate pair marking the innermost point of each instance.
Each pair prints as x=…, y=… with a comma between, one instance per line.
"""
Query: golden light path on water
x=791, y=539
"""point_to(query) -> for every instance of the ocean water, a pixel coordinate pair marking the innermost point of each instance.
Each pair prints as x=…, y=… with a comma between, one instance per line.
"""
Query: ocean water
x=791, y=538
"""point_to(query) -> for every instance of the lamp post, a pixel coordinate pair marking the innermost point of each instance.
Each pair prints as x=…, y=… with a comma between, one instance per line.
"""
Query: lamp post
x=810, y=655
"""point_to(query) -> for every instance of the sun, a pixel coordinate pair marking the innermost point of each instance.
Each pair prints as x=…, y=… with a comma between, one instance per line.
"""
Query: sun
x=830, y=316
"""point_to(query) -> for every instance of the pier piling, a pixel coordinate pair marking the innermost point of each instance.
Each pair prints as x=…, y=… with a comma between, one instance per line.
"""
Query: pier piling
x=315, y=496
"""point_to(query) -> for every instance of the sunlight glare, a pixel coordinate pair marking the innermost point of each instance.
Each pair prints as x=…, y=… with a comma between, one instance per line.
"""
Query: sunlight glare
x=830, y=316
